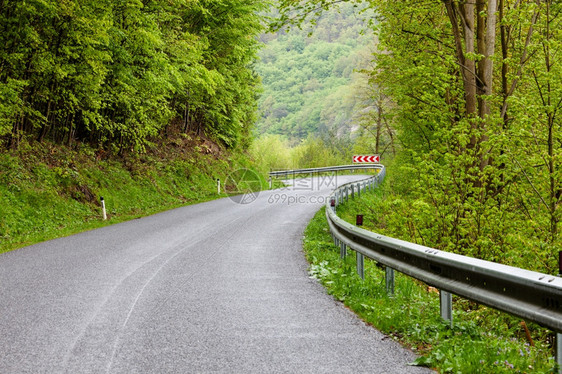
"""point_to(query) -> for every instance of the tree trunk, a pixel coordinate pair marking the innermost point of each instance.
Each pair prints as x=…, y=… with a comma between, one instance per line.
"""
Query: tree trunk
x=474, y=27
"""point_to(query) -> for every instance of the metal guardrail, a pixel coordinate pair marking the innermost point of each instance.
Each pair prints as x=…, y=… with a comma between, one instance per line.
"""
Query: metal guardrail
x=527, y=294
x=327, y=169
x=523, y=293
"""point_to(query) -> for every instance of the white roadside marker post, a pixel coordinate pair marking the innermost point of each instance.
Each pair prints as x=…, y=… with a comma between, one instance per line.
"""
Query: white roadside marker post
x=103, y=208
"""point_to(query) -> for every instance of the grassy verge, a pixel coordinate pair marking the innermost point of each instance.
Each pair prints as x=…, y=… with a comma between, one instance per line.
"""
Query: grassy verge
x=481, y=340
x=49, y=191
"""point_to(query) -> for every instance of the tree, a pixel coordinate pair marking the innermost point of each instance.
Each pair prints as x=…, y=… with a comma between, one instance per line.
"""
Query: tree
x=116, y=73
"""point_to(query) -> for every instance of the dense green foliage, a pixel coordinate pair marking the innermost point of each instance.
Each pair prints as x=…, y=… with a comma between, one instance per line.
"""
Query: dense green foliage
x=479, y=125
x=116, y=73
x=480, y=341
x=273, y=152
x=49, y=190
x=476, y=99
x=309, y=81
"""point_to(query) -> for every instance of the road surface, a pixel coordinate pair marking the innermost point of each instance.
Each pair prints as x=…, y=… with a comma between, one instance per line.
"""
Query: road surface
x=218, y=287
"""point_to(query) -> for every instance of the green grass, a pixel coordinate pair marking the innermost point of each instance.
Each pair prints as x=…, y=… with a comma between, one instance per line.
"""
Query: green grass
x=481, y=340
x=49, y=191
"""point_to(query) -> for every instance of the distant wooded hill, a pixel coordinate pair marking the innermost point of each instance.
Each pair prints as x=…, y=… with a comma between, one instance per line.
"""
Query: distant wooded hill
x=309, y=85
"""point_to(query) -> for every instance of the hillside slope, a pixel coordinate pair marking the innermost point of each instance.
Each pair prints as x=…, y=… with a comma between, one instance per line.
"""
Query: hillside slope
x=48, y=190
x=308, y=80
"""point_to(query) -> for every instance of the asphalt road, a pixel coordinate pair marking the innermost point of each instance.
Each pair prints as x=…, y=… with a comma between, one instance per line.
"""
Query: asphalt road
x=218, y=287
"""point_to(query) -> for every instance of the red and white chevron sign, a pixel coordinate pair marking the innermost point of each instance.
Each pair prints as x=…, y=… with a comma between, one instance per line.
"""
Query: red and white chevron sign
x=366, y=159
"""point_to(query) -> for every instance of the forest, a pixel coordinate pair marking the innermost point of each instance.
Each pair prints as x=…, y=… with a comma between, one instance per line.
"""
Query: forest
x=117, y=74
x=473, y=91
x=467, y=95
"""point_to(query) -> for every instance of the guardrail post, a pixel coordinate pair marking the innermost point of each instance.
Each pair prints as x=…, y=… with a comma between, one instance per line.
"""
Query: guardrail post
x=358, y=189
x=389, y=280
x=343, y=250
x=336, y=240
x=558, y=353
x=446, y=302
x=360, y=264
x=558, y=342
x=352, y=191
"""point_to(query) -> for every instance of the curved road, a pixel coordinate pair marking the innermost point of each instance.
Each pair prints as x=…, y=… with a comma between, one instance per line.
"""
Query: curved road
x=214, y=287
